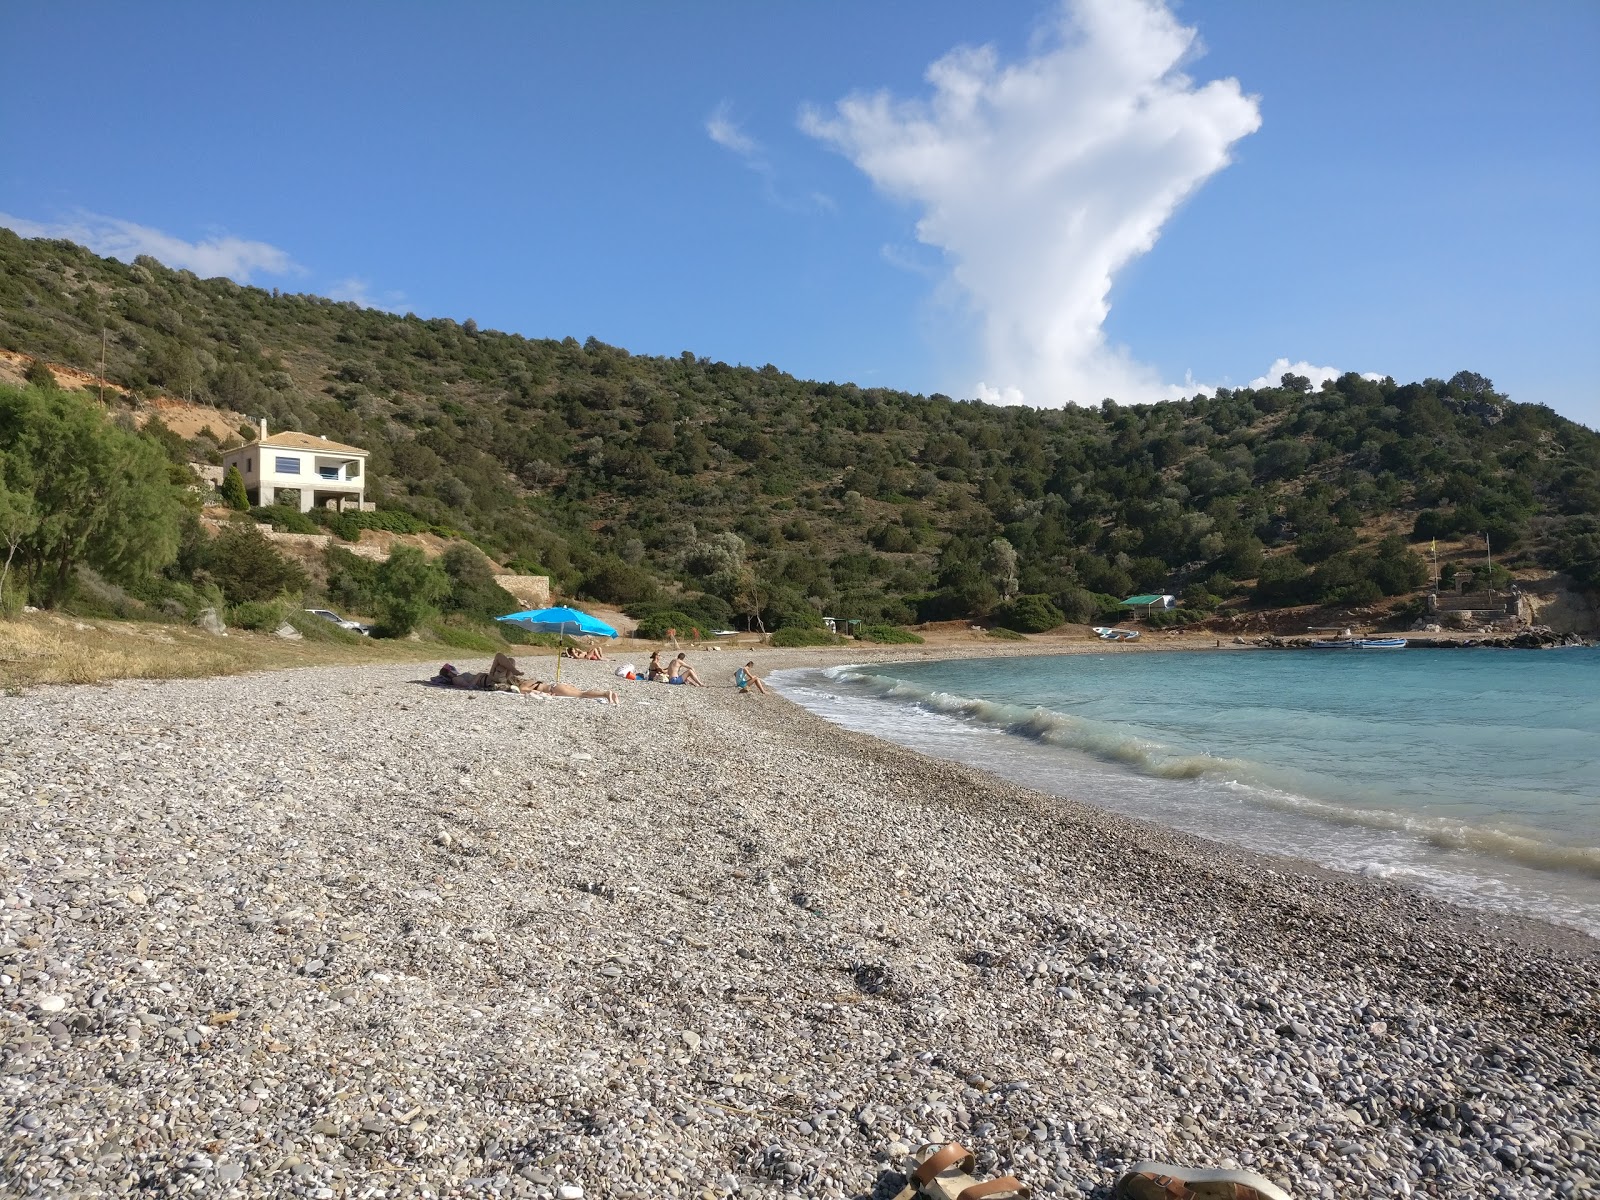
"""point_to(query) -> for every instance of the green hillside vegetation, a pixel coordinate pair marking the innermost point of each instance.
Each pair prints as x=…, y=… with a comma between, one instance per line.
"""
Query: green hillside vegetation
x=726, y=493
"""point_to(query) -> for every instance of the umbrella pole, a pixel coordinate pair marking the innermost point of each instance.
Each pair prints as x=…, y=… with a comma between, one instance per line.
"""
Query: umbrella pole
x=561, y=647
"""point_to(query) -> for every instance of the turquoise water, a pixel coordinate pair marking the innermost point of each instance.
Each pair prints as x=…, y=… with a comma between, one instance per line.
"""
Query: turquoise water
x=1472, y=774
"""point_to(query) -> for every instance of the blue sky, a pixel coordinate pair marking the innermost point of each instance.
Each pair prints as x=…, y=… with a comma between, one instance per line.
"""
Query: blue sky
x=1118, y=197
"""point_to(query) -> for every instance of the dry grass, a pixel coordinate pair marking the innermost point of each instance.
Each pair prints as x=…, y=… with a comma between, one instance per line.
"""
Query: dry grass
x=45, y=648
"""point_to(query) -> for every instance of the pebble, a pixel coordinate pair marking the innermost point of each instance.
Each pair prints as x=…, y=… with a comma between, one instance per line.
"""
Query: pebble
x=288, y=944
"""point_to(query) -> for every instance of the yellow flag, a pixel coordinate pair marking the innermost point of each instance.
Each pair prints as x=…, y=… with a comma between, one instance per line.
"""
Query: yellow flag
x=1434, y=546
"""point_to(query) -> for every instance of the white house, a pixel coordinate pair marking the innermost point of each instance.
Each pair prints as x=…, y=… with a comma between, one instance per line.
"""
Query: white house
x=326, y=474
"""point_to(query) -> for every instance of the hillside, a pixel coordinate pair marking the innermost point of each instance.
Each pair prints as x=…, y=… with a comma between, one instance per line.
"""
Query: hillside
x=628, y=477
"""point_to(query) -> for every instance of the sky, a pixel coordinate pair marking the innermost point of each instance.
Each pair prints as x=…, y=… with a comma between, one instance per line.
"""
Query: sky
x=1032, y=202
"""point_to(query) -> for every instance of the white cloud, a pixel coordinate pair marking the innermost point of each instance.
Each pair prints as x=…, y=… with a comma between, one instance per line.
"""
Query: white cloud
x=115, y=238
x=1041, y=179
x=359, y=291
x=1317, y=375
x=727, y=134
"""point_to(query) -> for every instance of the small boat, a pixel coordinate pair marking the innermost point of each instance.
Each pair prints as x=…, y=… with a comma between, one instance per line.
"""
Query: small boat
x=1391, y=643
x=1107, y=634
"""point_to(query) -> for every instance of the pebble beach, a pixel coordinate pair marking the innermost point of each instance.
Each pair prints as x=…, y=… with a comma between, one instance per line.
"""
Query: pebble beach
x=334, y=933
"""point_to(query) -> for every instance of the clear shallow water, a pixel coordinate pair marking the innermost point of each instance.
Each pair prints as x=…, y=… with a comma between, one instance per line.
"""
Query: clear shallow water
x=1473, y=774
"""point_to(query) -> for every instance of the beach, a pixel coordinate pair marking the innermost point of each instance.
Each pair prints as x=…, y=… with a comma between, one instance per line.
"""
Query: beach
x=330, y=933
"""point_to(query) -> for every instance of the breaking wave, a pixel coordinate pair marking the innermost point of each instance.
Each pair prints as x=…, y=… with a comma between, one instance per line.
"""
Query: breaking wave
x=1249, y=783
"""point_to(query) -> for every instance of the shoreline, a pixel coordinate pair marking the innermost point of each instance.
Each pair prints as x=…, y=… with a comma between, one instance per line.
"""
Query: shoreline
x=327, y=928
x=1521, y=925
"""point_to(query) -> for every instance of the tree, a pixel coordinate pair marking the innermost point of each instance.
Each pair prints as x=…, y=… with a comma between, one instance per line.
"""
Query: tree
x=103, y=496
x=17, y=520
x=1001, y=563
x=1030, y=614
x=233, y=493
x=40, y=375
x=407, y=590
x=246, y=566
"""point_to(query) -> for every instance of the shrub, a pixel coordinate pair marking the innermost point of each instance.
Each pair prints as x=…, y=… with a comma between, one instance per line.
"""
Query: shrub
x=261, y=615
x=655, y=625
x=1002, y=634
x=615, y=582
x=233, y=493
x=1033, y=613
x=40, y=375
x=472, y=587
x=320, y=629
x=289, y=520
x=1283, y=580
x=1174, y=616
x=406, y=590
x=794, y=635
x=889, y=635
x=247, y=567
x=800, y=618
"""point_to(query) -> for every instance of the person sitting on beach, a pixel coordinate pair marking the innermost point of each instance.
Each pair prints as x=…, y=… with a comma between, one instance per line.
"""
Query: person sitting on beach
x=682, y=672
x=745, y=679
x=567, y=690
x=656, y=672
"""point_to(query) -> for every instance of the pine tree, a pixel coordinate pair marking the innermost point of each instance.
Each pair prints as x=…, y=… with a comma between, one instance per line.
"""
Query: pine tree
x=233, y=493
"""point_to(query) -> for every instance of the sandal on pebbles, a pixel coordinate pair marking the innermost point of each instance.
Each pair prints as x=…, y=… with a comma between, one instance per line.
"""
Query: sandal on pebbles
x=1163, y=1181
x=944, y=1173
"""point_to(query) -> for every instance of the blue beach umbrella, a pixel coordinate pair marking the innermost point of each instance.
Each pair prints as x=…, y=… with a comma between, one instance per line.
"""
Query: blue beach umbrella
x=559, y=620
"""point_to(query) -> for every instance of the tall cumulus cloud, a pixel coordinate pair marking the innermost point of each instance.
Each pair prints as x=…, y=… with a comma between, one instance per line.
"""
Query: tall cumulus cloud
x=1041, y=179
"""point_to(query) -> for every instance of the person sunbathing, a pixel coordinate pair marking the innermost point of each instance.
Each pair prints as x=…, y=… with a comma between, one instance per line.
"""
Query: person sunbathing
x=502, y=676
x=592, y=653
x=566, y=690
x=682, y=672
x=656, y=672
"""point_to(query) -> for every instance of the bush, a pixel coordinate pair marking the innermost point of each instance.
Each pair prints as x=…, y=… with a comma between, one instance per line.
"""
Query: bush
x=40, y=375
x=263, y=616
x=655, y=625
x=248, y=567
x=390, y=519
x=1173, y=616
x=800, y=618
x=233, y=493
x=1032, y=613
x=289, y=520
x=473, y=590
x=407, y=589
x=794, y=635
x=320, y=629
x=613, y=581
x=1001, y=634
x=889, y=635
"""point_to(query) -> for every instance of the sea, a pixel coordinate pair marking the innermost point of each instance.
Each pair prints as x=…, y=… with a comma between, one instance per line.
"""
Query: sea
x=1471, y=774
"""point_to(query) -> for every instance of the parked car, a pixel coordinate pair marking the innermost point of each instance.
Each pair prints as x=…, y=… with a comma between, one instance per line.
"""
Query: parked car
x=327, y=614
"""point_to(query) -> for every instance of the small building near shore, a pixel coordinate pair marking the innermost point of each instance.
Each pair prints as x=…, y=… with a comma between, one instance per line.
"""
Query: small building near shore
x=1151, y=602
x=326, y=474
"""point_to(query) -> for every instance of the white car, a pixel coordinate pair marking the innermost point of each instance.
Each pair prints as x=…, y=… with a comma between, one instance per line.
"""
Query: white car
x=327, y=614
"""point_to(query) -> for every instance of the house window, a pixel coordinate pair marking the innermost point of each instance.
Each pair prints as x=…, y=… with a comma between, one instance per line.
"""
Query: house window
x=247, y=464
x=287, y=466
x=328, y=472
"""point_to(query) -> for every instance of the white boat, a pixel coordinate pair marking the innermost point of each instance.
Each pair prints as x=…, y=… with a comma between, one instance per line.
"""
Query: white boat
x=1392, y=643
x=1107, y=634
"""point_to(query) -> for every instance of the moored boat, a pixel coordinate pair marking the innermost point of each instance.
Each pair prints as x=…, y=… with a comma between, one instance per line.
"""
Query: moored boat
x=1391, y=643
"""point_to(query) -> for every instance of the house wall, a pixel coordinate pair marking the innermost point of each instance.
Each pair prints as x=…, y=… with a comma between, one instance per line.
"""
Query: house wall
x=259, y=467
